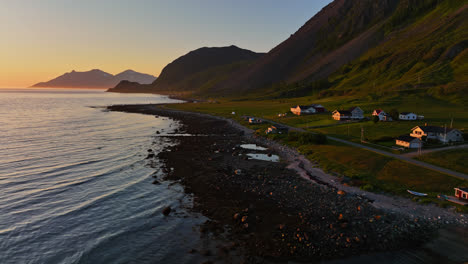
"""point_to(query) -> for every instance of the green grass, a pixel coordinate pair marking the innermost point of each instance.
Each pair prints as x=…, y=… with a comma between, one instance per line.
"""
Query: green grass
x=412, y=58
x=454, y=159
x=377, y=173
x=369, y=170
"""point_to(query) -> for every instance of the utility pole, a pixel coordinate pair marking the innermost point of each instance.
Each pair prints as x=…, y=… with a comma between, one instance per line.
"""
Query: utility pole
x=445, y=134
x=362, y=134
x=420, y=147
x=451, y=123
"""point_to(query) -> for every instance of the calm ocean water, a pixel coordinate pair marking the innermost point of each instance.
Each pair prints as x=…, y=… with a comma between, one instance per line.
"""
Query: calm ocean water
x=75, y=186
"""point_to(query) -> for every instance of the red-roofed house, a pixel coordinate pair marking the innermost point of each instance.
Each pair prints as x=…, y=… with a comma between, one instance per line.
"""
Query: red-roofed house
x=382, y=115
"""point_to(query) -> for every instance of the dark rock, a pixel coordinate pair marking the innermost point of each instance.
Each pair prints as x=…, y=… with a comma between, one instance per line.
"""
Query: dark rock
x=167, y=210
x=206, y=253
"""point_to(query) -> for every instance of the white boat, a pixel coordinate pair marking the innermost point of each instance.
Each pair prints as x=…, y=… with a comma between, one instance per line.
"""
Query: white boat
x=417, y=193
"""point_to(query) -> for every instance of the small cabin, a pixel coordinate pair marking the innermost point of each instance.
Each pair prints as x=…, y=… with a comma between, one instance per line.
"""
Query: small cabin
x=254, y=121
x=277, y=130
x=319, y=108
x=341, y=115
x=408, y=142
x=382, y=115
x=303, y=110
x=407, y=116
x=462, y=193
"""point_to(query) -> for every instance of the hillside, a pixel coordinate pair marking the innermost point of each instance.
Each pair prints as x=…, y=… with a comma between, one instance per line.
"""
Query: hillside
x=369, y=46
x=95, y=79
x=131, y=87
x=197, y=71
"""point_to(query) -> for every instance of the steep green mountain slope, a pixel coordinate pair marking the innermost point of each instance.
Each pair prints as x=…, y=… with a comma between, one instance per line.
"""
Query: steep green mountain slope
x=422, y=52
x=365, y=47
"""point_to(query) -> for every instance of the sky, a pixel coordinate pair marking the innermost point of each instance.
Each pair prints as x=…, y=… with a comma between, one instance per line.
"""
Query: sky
x=42, y=39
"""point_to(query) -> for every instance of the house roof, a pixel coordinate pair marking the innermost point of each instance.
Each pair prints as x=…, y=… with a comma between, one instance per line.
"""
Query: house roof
x=377, y=111
x=406, y=138
x=344, y=112
x=434, y=129
x=352, y=108
x=305, y=106
x=279, y=127
x=465, y=189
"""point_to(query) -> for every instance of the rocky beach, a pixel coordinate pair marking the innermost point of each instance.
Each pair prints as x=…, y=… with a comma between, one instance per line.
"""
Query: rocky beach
x=280, y=211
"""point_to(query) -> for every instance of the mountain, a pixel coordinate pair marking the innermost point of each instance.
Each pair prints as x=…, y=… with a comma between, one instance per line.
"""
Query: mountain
x=134, y=76
x=353, y=47
x=197, y=71
x=95, y=79
x=131, y=87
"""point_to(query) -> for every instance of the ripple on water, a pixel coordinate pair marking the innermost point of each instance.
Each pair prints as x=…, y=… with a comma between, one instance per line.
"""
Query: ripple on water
x=76, y=187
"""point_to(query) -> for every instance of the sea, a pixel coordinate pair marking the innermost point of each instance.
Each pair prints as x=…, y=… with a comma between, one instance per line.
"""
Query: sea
x=76, y=184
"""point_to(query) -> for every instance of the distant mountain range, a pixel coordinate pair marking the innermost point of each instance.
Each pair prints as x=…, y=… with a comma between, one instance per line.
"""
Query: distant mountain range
x=361, y=48
x=197, y=70
x=95, y=79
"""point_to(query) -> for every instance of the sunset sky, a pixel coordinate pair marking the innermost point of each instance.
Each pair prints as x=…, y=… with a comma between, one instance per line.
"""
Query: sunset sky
x=43, y=39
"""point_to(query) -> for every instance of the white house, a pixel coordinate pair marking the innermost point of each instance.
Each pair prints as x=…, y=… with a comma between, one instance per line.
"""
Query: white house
x=382, y=115
x=356, y=112
x=408, y=141
x=407, y=116
x=444, y=135
x=303, y=109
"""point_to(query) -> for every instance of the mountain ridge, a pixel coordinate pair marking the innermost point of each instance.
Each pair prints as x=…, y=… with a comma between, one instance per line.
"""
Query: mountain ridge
x=95, y=78
x=197, y=70
x=364, y=47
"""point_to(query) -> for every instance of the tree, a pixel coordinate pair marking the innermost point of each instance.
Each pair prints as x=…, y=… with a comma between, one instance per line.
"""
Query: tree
x=394, y=114
x=375, y=119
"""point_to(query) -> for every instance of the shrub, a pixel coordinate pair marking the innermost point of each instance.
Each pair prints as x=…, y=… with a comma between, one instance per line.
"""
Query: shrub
x=307, y=138
x=368, y=187
x=394, y=114
x=375, y=119
x=383, y=139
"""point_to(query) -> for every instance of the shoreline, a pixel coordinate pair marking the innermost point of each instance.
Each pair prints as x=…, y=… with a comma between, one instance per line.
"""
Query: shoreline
x=285, y=210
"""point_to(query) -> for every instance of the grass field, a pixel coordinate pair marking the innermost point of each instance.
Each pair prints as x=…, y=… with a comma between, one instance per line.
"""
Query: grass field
x=454, y=159
x=369, y=170
x=436, y=112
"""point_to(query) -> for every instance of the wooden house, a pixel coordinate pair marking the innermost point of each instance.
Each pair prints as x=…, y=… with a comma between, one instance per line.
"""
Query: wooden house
x=254, y=121
x=303, y=110
x=277, y=130
x=382, y=115
x=341, y=115
x=462, y=193
x=444, y=135
x=408, y=142
x=407, y=116
x=356, y=112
